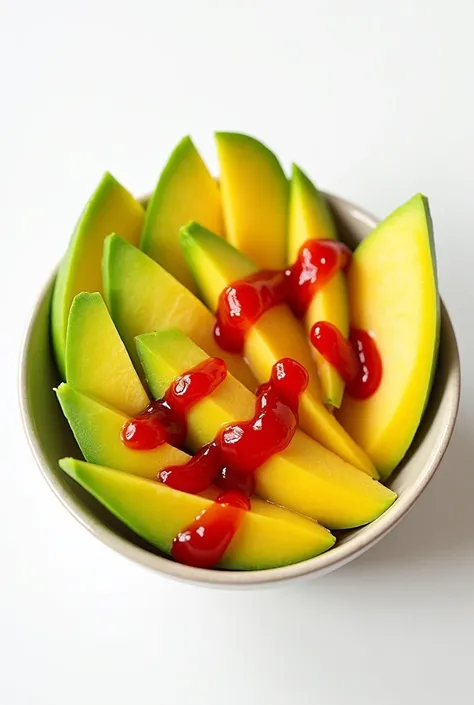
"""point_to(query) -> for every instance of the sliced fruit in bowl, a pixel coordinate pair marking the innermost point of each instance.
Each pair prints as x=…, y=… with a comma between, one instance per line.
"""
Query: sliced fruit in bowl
x=304, y=476
x=270, y=334
x=218, y=286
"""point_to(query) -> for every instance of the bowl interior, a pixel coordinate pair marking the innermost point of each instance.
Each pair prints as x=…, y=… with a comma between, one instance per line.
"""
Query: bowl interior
x=52, y=439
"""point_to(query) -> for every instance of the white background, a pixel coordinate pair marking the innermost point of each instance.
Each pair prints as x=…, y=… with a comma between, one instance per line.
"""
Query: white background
x=375, y=100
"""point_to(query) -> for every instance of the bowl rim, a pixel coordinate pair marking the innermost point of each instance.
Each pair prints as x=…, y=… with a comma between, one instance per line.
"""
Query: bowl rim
x=323, y=563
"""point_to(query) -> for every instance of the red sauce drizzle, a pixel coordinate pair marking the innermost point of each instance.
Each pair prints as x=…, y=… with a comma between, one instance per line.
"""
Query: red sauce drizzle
x=317, y=262
x=230, y=462
x=243, y=302
x=164, y=421
x=197, y=474
x=240, y=448
x=203, y=543
x=357, y=360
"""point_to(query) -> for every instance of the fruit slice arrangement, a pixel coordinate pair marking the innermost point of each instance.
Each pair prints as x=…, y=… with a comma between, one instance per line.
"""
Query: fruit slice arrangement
x=240, y=383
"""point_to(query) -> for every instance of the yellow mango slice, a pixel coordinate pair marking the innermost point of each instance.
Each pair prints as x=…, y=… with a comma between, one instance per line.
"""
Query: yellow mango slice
x=254, y=198
x=268, y=536
x=393, y=293
x=310, y=219
x=185, y=191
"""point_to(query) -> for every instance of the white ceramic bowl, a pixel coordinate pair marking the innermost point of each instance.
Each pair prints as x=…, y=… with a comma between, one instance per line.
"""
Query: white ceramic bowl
x=51, y=439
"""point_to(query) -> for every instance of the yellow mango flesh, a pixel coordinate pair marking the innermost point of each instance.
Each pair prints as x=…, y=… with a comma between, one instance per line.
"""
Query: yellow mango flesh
x=96, y=428
x=306, y=477
x=185, y=191
x=268, y=536
x=276, y=334
x=111, y=209
x=254, y=192
x=310, y=219
x=393, y=294
x=143, y=297
x=97, y=361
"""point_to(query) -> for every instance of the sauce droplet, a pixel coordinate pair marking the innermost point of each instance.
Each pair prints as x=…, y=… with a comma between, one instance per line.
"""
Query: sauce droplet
x=164, y=421
x=369, y=375
x=357, y=360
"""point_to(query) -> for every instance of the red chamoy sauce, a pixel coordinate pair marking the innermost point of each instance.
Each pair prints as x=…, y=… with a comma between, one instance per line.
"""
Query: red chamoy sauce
x=164, y=421
x=203, y=543
x=317, y=262
x=197, y=474
x=357, y=360
x=247, y=445
x=369, y=374
x=243, y=302
x=230, y=462
x=240, y=448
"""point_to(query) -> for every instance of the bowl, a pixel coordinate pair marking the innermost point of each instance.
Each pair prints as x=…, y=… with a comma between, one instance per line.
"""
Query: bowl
x=51, y=439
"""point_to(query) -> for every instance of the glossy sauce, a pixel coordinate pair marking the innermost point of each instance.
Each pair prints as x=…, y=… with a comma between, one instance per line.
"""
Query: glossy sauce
x=369, y=374
x=164, y=421
x=317, y=262
x=203, y=543
x=243, y=302
x=240, y=448
x=357, y=360
x=231, y=460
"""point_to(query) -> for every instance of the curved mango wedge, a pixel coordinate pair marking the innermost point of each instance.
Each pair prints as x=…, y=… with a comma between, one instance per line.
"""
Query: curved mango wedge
x=310, y=219
x=143, y=297
x=97, y=361
x=393, y=294
x=96, y=428
x=254, y=197
x=111, y=209
x=185, y=191
x=268, y=536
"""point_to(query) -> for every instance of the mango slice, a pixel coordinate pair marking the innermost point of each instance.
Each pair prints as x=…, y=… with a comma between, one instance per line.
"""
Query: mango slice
x=96, y=428
x=393, y=294
x=97, y=361
x=143, y=297
x=185, y=191
x=111, y=209
x=310, y=219
x=254, y=198
x=268, y=537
